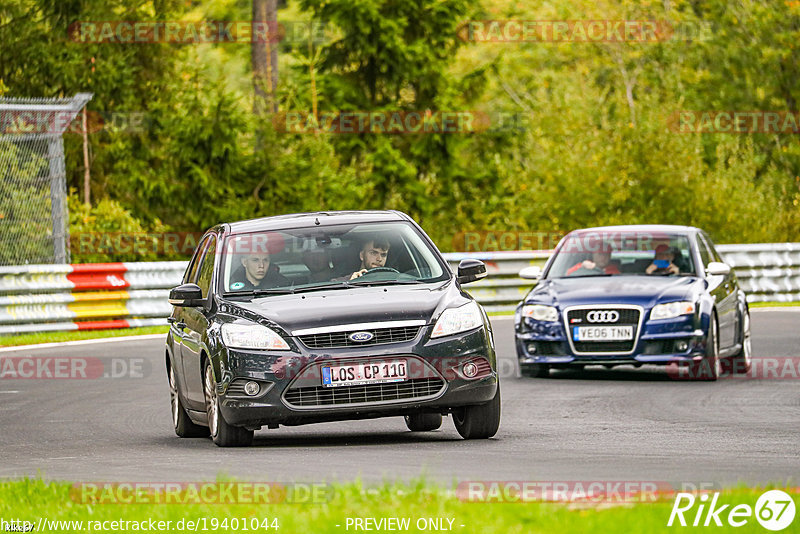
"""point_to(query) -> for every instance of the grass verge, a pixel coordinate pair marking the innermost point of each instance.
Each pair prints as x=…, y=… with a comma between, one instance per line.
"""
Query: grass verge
x=32, y=500
x=55, y=337
x=774, y=304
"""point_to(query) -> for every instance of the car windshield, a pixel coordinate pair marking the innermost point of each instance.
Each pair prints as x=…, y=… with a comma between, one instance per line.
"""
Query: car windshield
x=330, y=257
x=607, y=253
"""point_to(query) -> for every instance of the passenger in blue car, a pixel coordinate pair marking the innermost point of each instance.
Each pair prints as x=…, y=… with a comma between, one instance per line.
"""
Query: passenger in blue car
x=663, y=261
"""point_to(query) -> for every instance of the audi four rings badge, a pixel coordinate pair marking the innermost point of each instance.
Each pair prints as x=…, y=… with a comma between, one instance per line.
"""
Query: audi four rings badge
x=602, y=316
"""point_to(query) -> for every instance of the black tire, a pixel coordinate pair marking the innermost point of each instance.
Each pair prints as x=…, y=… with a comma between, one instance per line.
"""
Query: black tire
x=423, y=422
x=710, y=367
x=741, y=362
x=223, y=434
x=535, y=370
x=184, y=427
x=479, y=422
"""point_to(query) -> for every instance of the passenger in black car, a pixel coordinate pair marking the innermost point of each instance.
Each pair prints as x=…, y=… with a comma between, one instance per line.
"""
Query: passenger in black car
x=258, y=272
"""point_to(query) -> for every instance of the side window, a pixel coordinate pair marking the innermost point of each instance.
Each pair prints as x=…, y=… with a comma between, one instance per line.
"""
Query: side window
x=705, y=254
x=714, y=253
x=189, y=275
x=206, y=270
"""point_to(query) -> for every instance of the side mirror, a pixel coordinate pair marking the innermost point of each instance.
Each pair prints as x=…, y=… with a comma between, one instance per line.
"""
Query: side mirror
x=717, y=268
x=533, y=272
x=470, y=270
x=187, y=295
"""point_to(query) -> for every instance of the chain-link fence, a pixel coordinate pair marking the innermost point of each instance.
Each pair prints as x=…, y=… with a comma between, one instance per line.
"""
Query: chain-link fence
x=34, y=222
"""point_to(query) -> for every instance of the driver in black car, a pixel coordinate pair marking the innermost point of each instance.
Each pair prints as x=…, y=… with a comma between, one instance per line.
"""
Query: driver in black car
x=373, y=255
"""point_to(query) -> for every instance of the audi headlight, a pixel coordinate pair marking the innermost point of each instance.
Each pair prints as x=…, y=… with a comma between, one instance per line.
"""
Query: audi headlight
x=540, y=312
x=252, y=336
x=455, y=320
x=670, y=310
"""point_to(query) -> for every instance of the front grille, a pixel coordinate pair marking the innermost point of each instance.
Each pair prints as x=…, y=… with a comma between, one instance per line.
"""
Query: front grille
x=371, y=393
x=627, y=317
x=342, y=339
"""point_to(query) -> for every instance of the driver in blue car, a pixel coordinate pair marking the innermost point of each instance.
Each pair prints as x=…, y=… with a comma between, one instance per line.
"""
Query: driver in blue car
x=373, y=254
x=600, y=262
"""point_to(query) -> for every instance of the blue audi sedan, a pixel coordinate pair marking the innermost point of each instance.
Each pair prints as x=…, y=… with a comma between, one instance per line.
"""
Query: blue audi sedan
x=634, y=295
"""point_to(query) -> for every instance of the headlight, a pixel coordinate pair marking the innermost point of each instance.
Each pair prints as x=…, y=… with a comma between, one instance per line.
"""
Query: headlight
x=671, y=309
x=540, y=312
x=252, y=336
x=455, y=320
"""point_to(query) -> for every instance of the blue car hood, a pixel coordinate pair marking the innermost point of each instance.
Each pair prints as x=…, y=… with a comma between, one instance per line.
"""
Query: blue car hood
x=643, y=291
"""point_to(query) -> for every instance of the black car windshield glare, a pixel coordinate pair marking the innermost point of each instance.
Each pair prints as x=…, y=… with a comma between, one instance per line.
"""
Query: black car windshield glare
x=321, y=258
x=623, y=253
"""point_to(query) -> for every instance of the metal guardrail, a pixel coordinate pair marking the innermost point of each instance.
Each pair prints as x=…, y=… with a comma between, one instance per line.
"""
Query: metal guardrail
x=41, y=298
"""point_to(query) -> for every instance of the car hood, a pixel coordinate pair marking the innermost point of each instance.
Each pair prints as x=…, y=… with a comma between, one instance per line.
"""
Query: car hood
x=639, y=290
x=354, y=305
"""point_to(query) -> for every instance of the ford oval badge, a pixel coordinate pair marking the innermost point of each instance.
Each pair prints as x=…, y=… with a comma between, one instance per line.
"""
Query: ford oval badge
x=361, y=337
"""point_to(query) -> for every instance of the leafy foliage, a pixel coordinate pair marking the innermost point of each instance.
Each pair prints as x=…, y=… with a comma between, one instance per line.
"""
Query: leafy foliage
x=590, y=141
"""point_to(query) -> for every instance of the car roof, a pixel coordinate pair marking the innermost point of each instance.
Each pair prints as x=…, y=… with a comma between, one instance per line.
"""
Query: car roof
x=312, y=219
x=673, y=228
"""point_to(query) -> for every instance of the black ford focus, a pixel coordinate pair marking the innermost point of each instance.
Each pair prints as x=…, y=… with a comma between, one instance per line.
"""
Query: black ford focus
x=331, y=316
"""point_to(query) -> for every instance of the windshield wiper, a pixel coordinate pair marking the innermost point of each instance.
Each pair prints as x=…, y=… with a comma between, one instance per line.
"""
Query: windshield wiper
x=358, y=282
x=258, y=292
x=327, y=285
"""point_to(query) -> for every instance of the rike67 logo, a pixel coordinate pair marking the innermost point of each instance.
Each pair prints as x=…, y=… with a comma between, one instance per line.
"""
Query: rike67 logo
x=774, y=510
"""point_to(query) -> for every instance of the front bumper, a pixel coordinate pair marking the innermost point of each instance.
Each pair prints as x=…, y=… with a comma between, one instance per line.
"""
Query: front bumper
x=289, y=379
x=660, y=342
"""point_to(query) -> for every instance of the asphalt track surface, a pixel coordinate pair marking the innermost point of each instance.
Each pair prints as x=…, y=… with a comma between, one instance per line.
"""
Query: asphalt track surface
x=597, y=424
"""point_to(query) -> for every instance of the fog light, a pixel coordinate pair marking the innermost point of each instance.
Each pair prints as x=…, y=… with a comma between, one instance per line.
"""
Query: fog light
x=470, y=370
x=681, y=346
x=532, y=348
x=252, y=388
